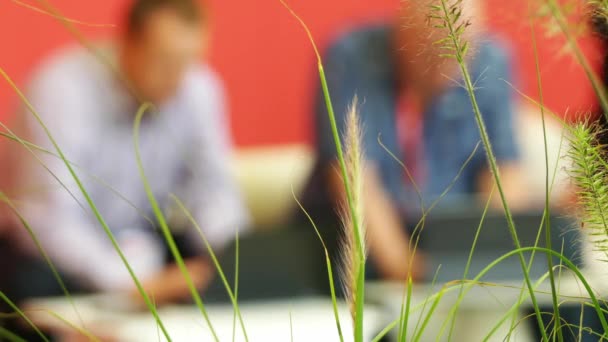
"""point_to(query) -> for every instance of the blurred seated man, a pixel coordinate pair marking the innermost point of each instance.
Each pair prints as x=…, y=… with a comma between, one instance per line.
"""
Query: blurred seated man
x=411, y=99
x=89, y=102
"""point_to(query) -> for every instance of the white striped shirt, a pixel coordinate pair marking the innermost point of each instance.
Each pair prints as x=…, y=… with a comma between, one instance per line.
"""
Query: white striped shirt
x=185, y=148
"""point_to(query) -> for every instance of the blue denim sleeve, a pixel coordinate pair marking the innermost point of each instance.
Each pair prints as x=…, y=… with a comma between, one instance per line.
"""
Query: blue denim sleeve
x=350, y=72
x=341, y=81
x=498, y=105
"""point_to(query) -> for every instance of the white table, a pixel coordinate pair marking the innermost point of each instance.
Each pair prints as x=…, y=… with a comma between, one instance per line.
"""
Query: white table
x=312, y=319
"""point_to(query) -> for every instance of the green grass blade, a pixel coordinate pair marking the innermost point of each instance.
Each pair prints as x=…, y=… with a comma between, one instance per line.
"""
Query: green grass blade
x=514, y=309
x=236, y=282
x=516, y=252
x=330, y=273
x=5, y=333
x=598, y=88
x=360, y=288
x=42, y=252
x=70, y=20
x=406, y=298
x=27, y=146
x=542, y=222
x=418, y=332
x=74, y=327
x=215, y=261
x=460, y=52
x=547, y=214
x=89, y=200
x=466, y=268
x=23, y=315
x=405, y=312
x=31, y=147
x=163, y=223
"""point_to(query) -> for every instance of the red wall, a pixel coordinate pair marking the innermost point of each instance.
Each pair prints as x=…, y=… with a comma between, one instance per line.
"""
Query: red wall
x=267, y=62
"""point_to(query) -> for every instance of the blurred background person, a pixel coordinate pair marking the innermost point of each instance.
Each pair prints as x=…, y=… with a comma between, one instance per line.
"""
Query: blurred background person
x=413, y=101
x=89, y=101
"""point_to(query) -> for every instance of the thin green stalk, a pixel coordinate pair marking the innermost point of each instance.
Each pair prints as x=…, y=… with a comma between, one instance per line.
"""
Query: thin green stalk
x=215, y=261
x=418, y=332
x=71, y=20
x=547, y=215
x=405, y=312
x=47, y=259
x=330, y=273
x=530, y=263
x=467, y=266
x=580, y=328
x=95, y=51
x=236, y=281
x=74, y=327
x=23, y=315
x=551, y=321
x=31, y=147
x=459, y=54
x=90, y=202
x=599, y=89
x=163, y=223
x=516, y=252
x=360, y=289
x=27, y=146
x=542, y=221
x=513, y=310
x=360, y=276
x=447, y=189
x=427, y=319
x=5, y=333
x=407, y=293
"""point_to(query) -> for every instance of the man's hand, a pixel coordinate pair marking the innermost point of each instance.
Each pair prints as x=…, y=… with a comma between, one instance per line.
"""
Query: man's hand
x=170, y=285
x=101, y=335
x=513, y=185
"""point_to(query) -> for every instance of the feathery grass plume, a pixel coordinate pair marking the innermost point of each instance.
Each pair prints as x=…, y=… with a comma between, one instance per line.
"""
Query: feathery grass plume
x=353, y=256
x=447, y=17
x=588, y=171
x=599, y=9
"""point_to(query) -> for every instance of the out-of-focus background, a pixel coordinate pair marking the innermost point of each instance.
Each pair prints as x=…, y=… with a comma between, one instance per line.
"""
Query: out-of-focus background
x=268, y=68
x=268, y=65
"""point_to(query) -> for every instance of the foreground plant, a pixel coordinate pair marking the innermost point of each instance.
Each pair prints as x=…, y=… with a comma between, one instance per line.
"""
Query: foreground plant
x=447, y=15
x=589, y=173
x=353, y=245
x=358, y=254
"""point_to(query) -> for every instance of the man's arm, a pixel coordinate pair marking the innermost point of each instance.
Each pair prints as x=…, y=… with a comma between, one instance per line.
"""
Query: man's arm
x=60, y=216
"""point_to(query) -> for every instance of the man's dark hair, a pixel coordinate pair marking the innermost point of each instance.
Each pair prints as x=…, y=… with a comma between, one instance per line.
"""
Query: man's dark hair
x=189, y=10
